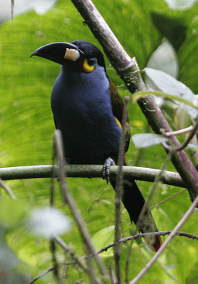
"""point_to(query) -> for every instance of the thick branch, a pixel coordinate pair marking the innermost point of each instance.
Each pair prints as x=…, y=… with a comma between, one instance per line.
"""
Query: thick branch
x=89, y=171
x=128, y=70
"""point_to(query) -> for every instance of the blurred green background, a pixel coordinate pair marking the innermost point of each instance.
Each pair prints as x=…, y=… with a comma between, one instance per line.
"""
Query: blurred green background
x=26, y=131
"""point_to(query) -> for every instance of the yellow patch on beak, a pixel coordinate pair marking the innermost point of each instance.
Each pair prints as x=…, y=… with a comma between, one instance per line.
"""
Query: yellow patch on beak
x=87, y=67
x=71, y=54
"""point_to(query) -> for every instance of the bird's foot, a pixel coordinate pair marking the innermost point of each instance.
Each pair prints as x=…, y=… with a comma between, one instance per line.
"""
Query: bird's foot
x=106, y=169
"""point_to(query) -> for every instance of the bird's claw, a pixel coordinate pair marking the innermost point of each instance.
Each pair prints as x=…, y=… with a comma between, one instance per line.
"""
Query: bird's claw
x=106, y=169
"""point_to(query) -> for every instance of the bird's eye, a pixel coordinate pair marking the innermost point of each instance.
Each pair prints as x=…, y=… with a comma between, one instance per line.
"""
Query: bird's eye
x=89, y=64
x=92, y=61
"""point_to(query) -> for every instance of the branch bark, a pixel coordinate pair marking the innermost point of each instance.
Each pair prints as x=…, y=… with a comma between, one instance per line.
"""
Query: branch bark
x=129, y=71
x=89, y=171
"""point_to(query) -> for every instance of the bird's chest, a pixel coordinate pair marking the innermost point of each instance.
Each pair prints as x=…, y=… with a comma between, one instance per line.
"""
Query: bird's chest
x=82, y=111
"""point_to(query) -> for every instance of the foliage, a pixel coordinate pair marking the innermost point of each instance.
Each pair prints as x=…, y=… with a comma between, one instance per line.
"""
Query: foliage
x=27, y=128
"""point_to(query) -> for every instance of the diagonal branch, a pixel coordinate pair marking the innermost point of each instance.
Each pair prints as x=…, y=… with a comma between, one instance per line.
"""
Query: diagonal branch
x=128, y=70
x=191, y=135
x=75, y=212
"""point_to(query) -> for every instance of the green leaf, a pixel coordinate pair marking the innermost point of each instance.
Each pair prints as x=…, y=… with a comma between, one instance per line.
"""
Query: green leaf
x=147, y=139
x=103, y=238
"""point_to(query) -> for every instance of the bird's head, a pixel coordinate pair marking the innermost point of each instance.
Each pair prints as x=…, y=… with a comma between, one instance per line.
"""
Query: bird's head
x=79, y=55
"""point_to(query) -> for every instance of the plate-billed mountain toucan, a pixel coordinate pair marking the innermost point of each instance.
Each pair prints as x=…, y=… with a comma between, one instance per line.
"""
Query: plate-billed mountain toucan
x=88, y=110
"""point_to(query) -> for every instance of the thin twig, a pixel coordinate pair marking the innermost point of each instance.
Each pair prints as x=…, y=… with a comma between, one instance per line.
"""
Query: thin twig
x=167, y=199
x=71, y=253
x=119, y=191
x=112, y=275
x=55, y=261
x=142, y=235
x=191, y=135
x=69, y=200
x=42, y=275
x=7, y=189
x=177, y=132
x=168, y=240
x=186, y=142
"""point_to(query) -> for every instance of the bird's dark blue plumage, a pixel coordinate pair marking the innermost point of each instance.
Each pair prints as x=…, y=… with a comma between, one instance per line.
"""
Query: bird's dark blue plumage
x=82, y=109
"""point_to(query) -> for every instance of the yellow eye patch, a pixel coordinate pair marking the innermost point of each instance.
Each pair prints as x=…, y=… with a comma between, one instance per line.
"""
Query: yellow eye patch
x=87, y=67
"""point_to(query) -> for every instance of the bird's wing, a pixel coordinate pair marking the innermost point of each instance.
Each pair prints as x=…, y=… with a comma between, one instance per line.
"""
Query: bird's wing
x=117, y=108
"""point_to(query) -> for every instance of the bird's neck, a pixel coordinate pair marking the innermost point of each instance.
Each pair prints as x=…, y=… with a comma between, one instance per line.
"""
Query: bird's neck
x=96, y=78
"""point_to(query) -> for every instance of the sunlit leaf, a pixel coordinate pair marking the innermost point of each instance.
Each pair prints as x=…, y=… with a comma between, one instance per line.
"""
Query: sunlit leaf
x=103, y=238
x=159, y=80
x=147, y=139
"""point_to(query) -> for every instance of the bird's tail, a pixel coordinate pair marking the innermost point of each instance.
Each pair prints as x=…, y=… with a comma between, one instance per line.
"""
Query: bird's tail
x=134, y=203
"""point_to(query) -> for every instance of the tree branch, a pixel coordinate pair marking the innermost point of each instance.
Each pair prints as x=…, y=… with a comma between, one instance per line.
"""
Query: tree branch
x=89, y=171
x=191, y=135
x=128, y=70
x=142, y=235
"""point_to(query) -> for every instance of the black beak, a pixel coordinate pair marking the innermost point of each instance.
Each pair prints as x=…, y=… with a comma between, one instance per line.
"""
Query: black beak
x=59, y=52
